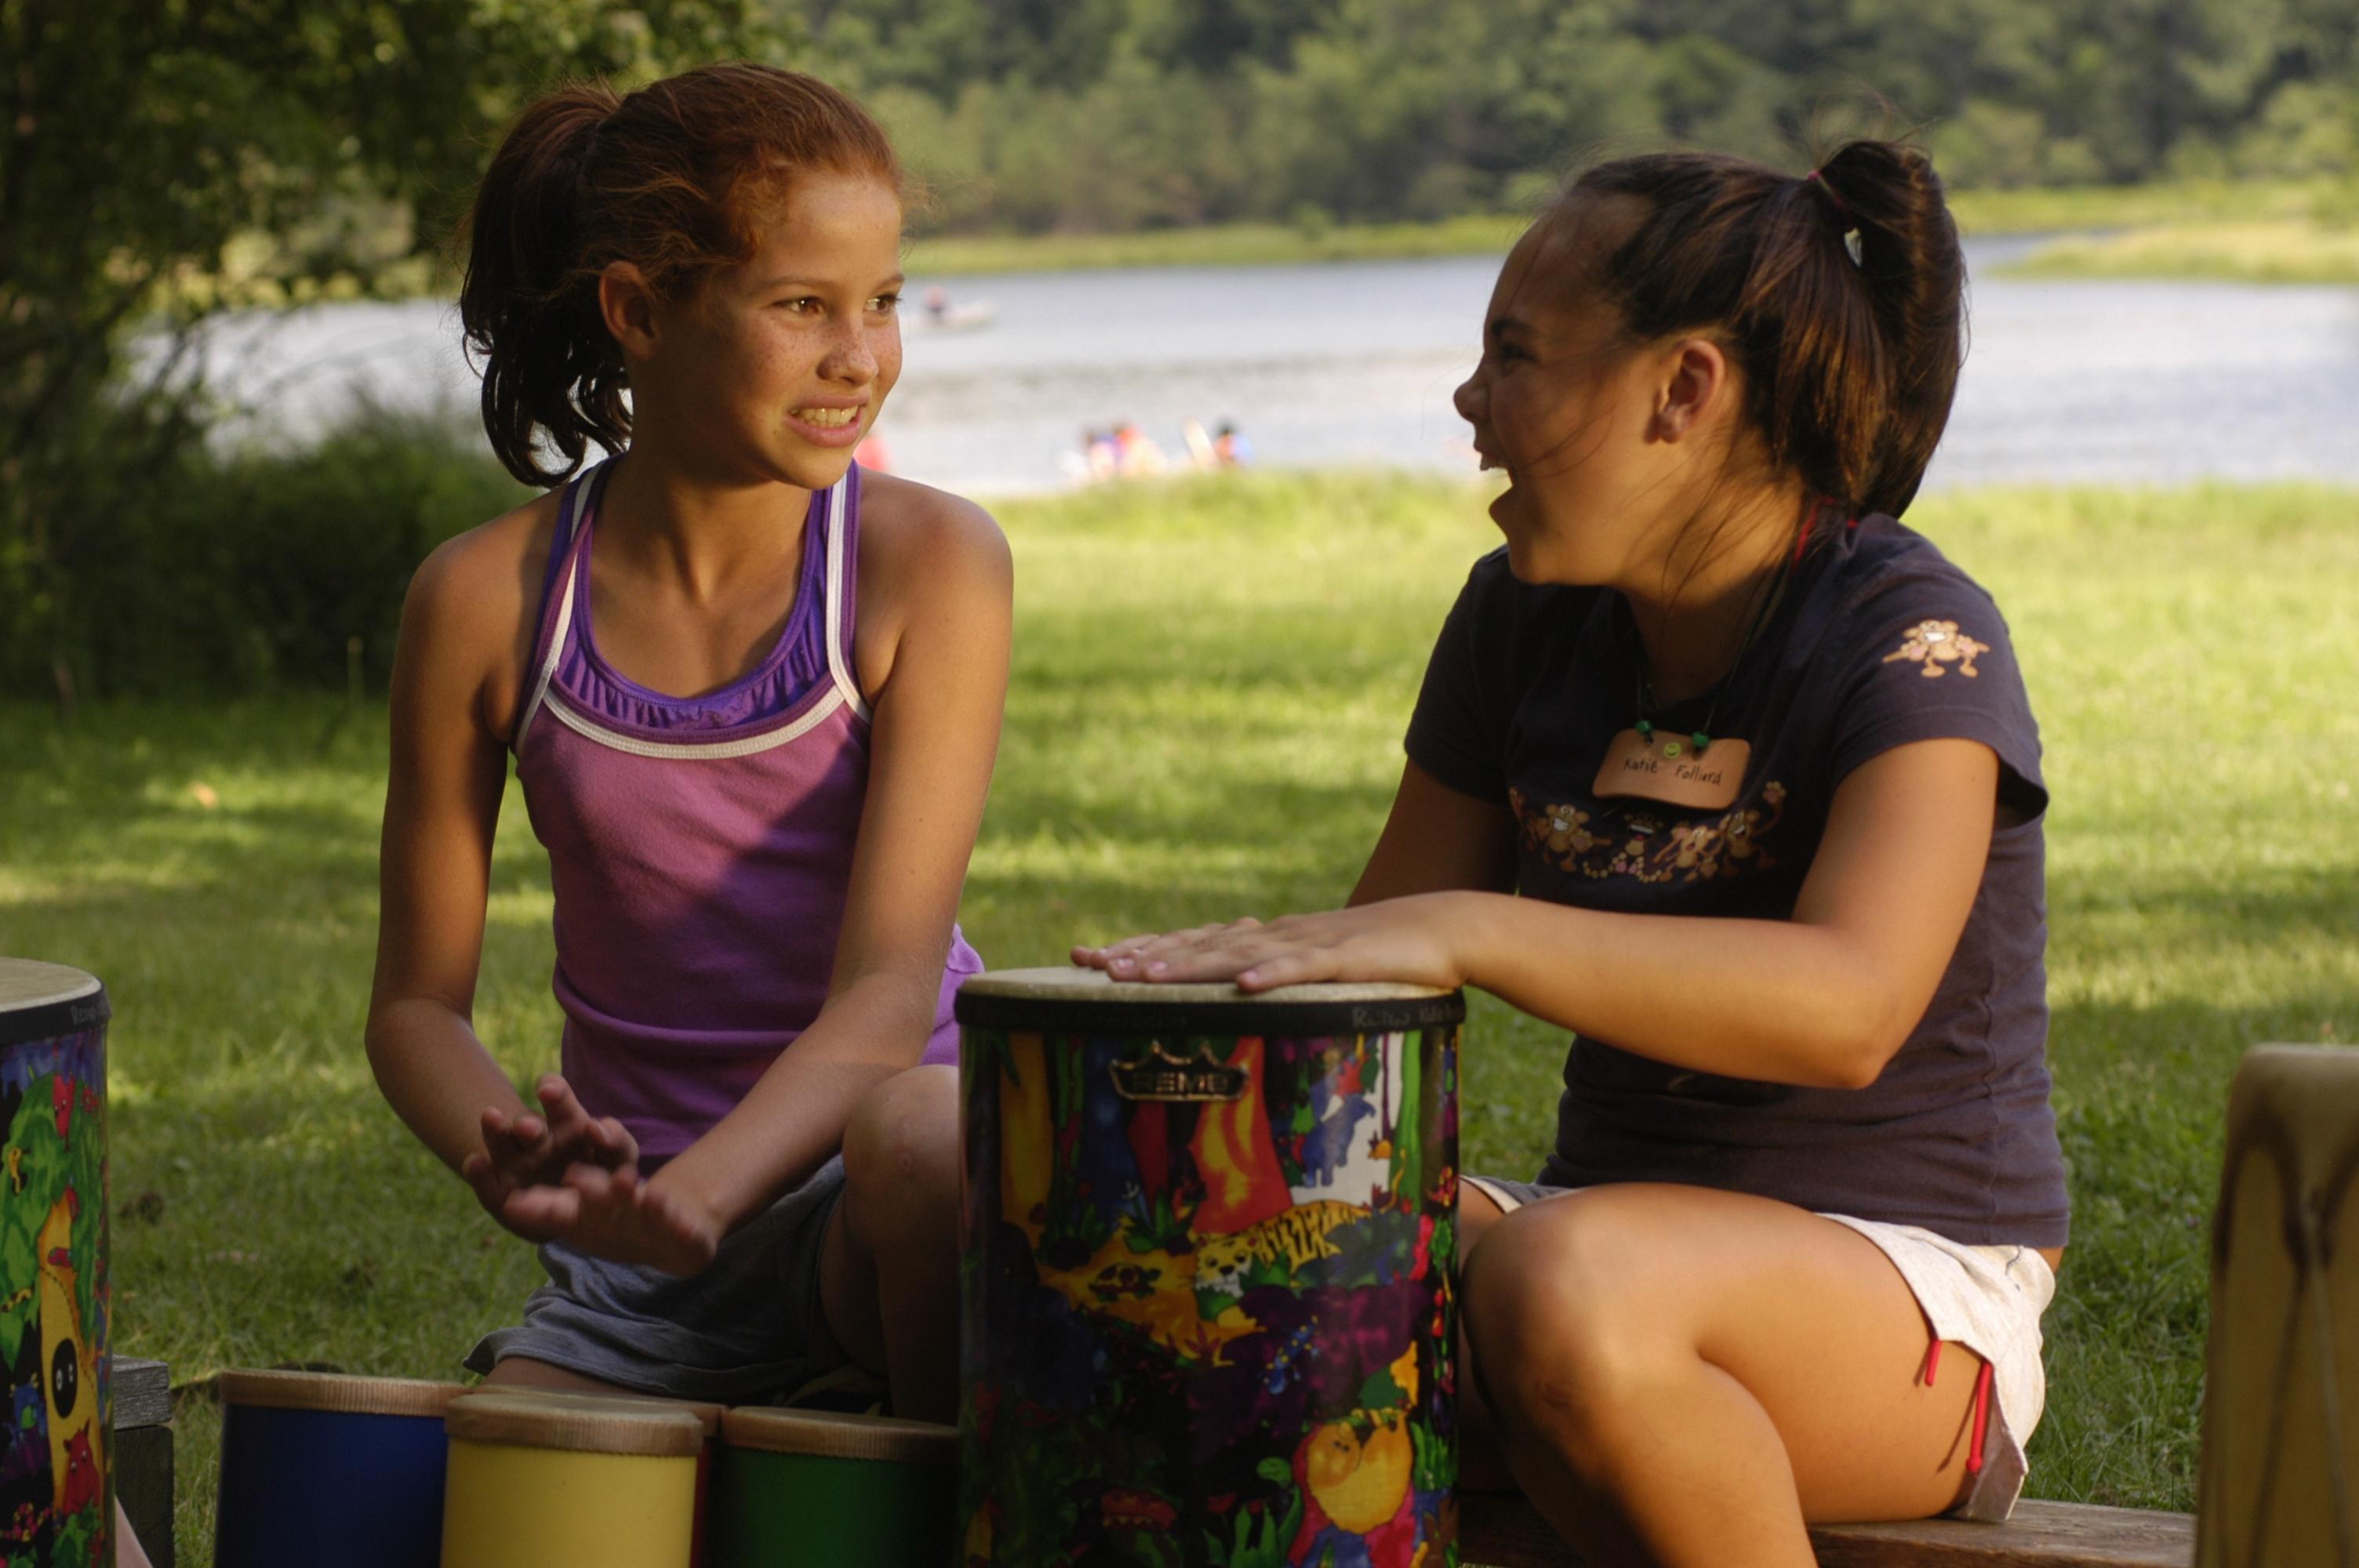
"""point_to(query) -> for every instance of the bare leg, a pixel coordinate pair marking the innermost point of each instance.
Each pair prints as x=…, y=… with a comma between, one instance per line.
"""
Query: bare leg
x=888, y=1269
x=129, y=1554
x=1646, y=1347
x=523, y=1372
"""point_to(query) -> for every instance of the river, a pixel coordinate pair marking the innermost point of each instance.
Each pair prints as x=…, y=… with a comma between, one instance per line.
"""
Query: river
x=1351, y=363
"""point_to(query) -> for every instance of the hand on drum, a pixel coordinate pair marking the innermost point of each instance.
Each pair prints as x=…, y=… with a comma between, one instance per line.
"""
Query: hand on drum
x=1405, y=939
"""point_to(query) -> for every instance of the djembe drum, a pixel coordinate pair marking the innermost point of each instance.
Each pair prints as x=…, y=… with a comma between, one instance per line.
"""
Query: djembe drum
x=2280, y=1471
x=57, y=1490
x=1209, y=1244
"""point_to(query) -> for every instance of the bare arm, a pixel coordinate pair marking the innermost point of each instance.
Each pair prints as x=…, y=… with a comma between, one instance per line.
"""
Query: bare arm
x=1826, y=998
x=441, y=804
x=1437, y=838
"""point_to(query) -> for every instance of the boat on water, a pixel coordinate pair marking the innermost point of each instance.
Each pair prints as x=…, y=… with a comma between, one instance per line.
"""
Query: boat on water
x=972, y=316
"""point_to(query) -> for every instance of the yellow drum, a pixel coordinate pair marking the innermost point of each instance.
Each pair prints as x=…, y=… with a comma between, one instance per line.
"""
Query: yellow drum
x=2280, y=1476
x=550, y=1480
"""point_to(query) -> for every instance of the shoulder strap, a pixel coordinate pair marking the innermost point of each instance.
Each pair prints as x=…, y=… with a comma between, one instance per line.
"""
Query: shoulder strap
x=843, y=584
x=557, y=599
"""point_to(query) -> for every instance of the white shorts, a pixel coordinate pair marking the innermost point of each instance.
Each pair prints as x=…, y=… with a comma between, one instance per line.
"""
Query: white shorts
x=1988, y=1299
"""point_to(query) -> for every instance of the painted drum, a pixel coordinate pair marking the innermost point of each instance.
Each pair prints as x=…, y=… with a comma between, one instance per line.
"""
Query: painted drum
x=1207, y=1284
x=57, y=1486
x=2280, y=1470
x=555, y=1480
x=308, y=1458
x=815, y=1489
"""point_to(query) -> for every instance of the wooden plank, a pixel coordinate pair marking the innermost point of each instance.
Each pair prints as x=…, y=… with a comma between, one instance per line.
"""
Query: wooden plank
x=1504, y=1533
x=143, y=1392
x=143, y=1485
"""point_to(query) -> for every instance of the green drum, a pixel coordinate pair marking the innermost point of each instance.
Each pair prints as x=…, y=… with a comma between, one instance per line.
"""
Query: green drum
x=57, y=1494
x=815, y=1489
x=1209, y=1247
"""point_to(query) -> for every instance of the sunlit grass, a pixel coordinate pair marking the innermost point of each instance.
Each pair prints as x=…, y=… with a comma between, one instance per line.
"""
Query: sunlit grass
x=1211, y=681
x=2284, y=251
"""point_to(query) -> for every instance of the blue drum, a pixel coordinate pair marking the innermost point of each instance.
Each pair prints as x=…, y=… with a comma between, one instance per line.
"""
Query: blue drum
x=309, y=1458
x=57, y=1494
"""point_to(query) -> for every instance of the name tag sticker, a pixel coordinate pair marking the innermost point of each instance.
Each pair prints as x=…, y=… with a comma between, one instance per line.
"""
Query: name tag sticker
x=1666, y=766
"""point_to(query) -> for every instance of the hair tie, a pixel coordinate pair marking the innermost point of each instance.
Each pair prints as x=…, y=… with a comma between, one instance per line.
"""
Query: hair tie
x=1842, y=207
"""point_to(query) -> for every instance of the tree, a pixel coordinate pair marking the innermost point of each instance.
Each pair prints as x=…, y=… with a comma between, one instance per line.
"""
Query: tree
x=163, y=160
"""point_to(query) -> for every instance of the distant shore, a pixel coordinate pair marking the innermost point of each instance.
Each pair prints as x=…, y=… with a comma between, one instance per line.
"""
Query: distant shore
x=2266, y=231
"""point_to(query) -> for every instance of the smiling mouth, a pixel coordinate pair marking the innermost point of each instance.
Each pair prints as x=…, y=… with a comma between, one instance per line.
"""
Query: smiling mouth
x=827, y=419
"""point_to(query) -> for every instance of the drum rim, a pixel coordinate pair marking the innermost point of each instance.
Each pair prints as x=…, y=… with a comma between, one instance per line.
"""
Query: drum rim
x=78, y=1002
x=1010, y=999
x=836, y=1435
x=333, y=1394
x=575, y=1423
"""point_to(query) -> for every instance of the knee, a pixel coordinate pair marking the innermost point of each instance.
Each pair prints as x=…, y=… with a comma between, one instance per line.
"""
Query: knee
x=901, y=1146
x=1568, y=1325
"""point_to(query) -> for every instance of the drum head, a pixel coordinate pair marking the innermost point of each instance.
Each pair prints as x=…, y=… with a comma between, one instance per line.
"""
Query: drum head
x=335, y=1392
x=842, y=1436
x=42, y=1001
x=1063, y=998
x=580, y=1423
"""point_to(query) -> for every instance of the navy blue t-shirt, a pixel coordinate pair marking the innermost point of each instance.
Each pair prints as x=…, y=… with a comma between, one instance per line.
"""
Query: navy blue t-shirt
x=1877, y=642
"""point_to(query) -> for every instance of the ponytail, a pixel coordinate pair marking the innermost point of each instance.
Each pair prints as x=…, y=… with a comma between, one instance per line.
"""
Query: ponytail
x=1851, y=361
x=673, y=179
x=530, y=310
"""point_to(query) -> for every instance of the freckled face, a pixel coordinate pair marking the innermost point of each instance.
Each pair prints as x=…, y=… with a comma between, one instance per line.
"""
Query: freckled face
x=777, y=367
x=1559, y=404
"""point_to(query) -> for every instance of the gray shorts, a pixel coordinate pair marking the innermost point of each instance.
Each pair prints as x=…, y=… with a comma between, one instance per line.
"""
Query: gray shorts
x=748, y=1330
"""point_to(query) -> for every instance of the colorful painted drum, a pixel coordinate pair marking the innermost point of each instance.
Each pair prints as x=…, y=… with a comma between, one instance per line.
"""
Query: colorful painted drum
x=554, y=1480
x=814, y=1489
x=1208, y=1246
x=57, y=1492
x=2280, y=1466
x=314, y=1458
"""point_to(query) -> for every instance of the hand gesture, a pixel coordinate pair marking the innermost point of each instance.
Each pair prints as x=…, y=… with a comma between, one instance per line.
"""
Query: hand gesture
x=1406, y=939
x=618, y=1214
x=526, y=1151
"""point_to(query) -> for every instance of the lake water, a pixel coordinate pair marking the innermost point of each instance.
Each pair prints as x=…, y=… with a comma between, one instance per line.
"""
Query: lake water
x=1349, y=364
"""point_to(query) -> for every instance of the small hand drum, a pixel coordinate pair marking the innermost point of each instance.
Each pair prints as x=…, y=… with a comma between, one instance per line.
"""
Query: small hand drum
x=2280, y=1472
x=1209, y=1244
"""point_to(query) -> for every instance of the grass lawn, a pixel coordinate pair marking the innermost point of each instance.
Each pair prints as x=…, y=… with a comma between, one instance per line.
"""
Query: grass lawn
x=1210, y=687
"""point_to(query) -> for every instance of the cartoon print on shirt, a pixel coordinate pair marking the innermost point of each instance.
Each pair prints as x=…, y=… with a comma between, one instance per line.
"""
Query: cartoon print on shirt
x=1935, y=644
x=1644, y=845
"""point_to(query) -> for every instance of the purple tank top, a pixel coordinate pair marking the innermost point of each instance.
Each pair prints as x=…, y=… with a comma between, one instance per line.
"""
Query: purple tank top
x=699, y=849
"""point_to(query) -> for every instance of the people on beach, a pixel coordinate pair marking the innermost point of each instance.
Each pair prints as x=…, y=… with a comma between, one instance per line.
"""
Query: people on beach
x=753, y=696
x=1724, y=769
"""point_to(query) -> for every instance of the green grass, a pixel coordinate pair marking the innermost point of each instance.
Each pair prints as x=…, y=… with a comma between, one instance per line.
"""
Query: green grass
x=1211, y=681
x=2286, y=250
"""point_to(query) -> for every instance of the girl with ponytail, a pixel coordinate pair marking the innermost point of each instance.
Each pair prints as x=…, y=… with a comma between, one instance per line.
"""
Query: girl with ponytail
x=752, y=697
x=1759, y=763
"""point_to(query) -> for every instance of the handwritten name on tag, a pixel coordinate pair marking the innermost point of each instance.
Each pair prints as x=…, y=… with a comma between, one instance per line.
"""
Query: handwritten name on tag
x=1667, y=767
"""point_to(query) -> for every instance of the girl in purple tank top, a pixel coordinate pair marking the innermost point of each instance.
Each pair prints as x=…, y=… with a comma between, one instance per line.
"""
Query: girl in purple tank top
x=753, y=697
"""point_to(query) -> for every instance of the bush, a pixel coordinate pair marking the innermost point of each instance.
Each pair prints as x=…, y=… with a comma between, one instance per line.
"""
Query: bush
x=247, y=570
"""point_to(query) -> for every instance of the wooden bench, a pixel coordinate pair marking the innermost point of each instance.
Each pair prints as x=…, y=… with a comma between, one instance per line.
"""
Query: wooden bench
x=143, y=1453
x=1504, y=1533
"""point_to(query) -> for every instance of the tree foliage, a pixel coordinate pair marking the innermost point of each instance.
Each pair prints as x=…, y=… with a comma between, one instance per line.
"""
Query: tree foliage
x=163, y=158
